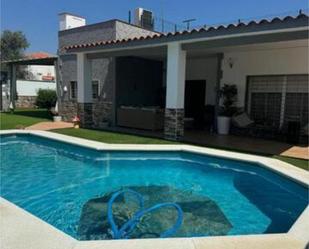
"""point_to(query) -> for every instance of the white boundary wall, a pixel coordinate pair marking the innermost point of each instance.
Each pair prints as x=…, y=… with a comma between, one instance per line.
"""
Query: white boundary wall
x=30, y=88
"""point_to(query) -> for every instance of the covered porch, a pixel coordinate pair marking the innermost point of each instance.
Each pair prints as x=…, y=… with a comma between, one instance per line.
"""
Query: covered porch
x=172, y=92
x=156, y=91
x=169, y=86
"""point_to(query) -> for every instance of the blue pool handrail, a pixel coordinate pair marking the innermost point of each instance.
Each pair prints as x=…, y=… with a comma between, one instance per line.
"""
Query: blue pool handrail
x=124, y=231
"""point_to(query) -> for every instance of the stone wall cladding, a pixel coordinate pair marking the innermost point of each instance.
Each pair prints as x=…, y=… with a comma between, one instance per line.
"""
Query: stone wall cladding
x=125, y=30
x=174, y=123
x=104, y=31
x=84, y=111
x=102, y=114
x=67, y=73
x=103, y=69
x=90, y=33
x=26, y=101
x=68, y=110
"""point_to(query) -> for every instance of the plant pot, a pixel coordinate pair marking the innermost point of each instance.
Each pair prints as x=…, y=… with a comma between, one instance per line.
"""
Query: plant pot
x=57, y=118
x=223, y=125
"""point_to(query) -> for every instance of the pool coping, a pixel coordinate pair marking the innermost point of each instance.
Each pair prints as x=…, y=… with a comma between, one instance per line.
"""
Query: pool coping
x=20, y=229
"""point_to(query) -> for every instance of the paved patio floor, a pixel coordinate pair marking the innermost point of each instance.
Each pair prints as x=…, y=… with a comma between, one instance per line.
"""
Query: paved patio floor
x=254, y=145
x=45, y=126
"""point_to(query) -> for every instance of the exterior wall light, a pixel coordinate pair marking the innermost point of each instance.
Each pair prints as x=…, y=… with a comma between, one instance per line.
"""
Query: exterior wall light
x=230, y=62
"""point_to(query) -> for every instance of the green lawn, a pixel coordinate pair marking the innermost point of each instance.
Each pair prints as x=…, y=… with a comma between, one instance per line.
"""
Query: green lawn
x=26, y=117
x=110, y=137
x=23, y=118
x=301, y=163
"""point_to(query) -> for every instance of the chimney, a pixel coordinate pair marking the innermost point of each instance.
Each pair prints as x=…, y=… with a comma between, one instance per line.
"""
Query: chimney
x=70, y=21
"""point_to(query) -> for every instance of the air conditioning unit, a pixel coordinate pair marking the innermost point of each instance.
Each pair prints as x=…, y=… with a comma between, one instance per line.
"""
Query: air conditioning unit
x=144, y=18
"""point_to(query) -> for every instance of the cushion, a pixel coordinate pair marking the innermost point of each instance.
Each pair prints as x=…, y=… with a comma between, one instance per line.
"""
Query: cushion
x=242, y=120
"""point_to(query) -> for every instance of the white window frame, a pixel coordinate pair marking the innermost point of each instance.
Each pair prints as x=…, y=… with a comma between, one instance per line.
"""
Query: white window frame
x=95, y=80
x=76, y=90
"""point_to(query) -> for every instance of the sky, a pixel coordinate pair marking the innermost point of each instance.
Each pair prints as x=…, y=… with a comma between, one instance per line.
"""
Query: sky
x=38, y=19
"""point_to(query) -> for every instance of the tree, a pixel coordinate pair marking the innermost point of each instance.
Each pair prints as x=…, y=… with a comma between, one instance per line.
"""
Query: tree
x=13, y=45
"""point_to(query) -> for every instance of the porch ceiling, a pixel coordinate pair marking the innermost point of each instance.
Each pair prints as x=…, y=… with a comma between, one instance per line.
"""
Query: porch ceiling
x=155, y=53
x=247, y=40
x=199, y=51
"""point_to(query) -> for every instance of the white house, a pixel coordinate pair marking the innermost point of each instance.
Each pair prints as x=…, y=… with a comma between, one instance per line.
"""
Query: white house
x=167, y=81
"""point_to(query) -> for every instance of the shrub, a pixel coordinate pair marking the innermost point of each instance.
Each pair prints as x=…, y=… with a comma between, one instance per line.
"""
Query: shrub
x=228, y=94
x=46, y=98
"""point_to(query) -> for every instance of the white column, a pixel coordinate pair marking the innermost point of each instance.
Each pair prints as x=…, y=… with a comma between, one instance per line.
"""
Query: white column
x=84, y=79
x=176, y=73
x=13, y=82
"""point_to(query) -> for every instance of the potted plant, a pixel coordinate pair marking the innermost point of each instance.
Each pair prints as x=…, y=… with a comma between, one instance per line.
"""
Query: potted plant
x=55, y=113
x=228, y=94
x=76, y=122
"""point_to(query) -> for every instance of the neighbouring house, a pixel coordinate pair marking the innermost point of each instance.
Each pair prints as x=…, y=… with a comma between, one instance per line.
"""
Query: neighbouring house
x=116, y=74
x=36, y=71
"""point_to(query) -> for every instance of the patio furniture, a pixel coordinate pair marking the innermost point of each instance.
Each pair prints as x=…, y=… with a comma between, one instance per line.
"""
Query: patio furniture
x=243, y=125
x=305, y=130
x=293, y=133
x=304, y=134
x=146, y=118
x=242, y=120
x=209, y=117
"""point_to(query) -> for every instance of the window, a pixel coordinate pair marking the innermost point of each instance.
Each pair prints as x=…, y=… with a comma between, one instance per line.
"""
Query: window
x=266, y=108
x=73, y=89
x=95, y=89
x=276, y=100
x=296, y=100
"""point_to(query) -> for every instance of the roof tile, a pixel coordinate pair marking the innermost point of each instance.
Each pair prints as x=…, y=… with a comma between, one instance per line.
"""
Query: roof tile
x=184, y=32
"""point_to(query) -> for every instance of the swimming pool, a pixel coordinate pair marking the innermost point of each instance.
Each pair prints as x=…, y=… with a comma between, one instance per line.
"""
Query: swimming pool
x=68, y=186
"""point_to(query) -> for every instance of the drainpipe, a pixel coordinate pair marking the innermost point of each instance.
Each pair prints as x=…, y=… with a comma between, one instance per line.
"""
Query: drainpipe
x=217, y=88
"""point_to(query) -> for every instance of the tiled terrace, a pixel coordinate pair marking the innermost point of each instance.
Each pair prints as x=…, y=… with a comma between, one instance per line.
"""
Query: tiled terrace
x=237, y=143
x=248, y=144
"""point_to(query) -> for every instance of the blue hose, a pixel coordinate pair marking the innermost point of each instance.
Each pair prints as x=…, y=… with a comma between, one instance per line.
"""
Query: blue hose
x=127, y=228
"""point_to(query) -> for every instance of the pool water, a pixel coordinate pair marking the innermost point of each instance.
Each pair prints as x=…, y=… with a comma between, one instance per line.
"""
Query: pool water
x=68, y=186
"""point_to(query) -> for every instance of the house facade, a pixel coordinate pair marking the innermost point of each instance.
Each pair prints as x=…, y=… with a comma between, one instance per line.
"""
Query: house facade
x=115, y=74
x=102, y=72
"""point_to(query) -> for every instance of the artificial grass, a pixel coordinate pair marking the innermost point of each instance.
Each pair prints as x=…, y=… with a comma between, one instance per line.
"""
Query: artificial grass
x=23, y=118
x=300, y=163
x=110, y=137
